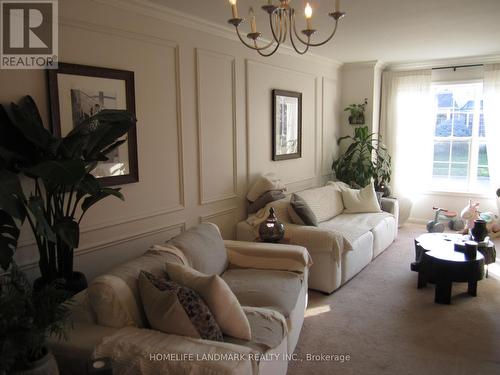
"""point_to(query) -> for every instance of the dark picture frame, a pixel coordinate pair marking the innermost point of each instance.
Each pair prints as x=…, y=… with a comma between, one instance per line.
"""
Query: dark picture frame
x=78, y=91
x=287, y=125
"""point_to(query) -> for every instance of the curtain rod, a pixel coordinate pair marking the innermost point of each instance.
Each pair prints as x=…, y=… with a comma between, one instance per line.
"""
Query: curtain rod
x=458, y=67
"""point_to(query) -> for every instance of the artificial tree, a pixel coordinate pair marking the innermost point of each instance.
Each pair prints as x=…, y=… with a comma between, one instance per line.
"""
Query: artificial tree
x=60, y=187
x=366, y=158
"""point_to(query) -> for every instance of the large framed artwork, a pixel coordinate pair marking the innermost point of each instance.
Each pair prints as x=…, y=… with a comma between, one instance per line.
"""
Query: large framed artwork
x=77, y=92
x=287, y=125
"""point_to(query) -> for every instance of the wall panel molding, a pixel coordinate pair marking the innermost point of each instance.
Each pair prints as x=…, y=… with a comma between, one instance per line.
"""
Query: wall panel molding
x=204, y=196
x=225, y=219
x=166, y=14
x=98, y=246
x=162, y=42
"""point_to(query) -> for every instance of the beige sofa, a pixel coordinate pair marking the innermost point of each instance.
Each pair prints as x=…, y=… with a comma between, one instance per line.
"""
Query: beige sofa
x=270, y=281
x=341, y=246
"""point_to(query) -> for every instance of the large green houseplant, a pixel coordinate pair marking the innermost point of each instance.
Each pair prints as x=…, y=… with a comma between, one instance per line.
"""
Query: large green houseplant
x=366, y=158
x=48, y=181
x=27, y=318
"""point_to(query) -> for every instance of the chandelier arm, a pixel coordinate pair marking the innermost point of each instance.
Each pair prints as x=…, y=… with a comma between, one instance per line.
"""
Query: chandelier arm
x=270, y=53
x=285, y=27
x=315, y=44
x=275, y=15
x=293, y=41
x=256, y=48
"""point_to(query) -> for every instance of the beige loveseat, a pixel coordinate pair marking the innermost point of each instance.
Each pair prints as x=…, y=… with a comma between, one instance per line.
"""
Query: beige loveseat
x=340, y=246
x=270, y=281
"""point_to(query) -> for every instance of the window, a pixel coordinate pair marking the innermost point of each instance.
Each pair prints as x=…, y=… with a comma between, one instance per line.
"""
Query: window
x=460, y=160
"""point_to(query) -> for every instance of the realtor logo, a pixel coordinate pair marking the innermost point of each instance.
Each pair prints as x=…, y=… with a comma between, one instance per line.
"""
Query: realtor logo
x=29, y=34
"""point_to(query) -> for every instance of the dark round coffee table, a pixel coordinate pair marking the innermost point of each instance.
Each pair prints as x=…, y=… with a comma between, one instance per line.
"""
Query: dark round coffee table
x=437, y=262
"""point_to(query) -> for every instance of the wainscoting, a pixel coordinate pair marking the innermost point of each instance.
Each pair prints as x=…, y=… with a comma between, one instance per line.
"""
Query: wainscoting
x=203, y=105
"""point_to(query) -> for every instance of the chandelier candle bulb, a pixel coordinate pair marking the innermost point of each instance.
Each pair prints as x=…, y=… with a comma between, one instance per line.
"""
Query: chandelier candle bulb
x=234, y=8
x=308, y=12
x=253, y=23
x=337, y=6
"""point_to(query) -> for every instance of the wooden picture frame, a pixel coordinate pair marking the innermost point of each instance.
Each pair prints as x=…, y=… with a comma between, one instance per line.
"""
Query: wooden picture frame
x=77, y=92
x=287, y=125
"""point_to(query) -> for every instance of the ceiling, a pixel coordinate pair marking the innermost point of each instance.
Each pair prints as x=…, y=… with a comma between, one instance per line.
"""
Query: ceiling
x=385, y=30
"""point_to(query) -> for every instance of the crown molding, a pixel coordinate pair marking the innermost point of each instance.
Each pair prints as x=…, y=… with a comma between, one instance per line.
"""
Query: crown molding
x=166, y=14
x=438, y=63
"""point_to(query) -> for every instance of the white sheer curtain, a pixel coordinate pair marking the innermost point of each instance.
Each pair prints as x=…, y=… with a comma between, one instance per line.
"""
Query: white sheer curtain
x=407, y=129
x=491, y=100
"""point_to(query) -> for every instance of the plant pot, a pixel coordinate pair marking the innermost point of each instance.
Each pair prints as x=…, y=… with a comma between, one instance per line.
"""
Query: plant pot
x=479, y=231
x=357, y=119
x=74, y=285
x=46, y=365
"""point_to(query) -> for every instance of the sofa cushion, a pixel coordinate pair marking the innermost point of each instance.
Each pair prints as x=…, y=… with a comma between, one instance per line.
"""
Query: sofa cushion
x=269, y=329
x=115, y=298
x=353, y=226
x=299, y=207
x=276, y=290
x=176, y=309
x=218, y=296
x=264, y=183
x=270, y=196
x=203, y=247
x=325, y=202
x=360, y=201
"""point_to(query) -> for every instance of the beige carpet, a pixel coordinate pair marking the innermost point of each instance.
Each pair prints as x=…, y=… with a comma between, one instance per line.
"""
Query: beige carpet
x=387, y=326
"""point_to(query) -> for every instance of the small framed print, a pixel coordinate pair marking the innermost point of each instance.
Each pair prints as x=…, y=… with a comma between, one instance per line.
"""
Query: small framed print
x=287, y=125
x=77, y=92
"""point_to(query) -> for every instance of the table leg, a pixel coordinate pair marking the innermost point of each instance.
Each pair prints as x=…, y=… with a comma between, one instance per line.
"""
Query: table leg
x=443, y=292
x=472, y=289
x=422, y=280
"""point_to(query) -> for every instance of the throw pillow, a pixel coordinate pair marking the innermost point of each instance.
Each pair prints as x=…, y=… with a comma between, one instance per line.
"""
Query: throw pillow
x=264, y=183
x=300, y=208
x=176, y=309
x=359, y=201
x=203, y=247
x=217, y=295
x=325, y=202
x=267, y=197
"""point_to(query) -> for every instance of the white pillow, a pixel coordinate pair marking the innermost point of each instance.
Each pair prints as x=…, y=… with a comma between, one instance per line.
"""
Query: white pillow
x=325, y=202
x=359, y=201
x=264, y=184
x=217, y=295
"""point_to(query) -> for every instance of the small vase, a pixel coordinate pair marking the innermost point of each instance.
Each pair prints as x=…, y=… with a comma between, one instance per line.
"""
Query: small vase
x=479, y=231
x=271, y=230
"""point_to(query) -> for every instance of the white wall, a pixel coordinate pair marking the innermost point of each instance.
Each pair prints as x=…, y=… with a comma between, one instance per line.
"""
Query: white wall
x=203, y=105
x=361, y=80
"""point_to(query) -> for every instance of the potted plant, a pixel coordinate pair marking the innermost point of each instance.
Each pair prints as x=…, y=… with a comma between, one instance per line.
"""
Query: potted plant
x=60, y=187
x=357, y=113
x=27, y=318
x=365, y=159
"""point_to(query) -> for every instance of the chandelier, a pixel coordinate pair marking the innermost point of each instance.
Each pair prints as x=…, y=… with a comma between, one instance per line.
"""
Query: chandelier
x=282, y=23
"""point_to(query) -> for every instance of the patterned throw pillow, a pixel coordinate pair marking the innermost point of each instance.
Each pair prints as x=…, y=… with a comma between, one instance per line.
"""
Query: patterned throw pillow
x=176, y=309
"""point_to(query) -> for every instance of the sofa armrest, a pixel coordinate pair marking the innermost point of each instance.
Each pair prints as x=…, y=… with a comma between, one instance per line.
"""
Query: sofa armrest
x=267, y=256
x=145, y=351
x=391, y=206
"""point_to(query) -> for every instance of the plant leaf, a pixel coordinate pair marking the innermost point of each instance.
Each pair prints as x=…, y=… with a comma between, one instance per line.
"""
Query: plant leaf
x=68, y=231
x=65, y=172
x=35, y=205
x=9, y=234
x=27, y=119
x=102, y=130
x=11, y=195
x=103, y=193
x=88, y=186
